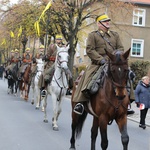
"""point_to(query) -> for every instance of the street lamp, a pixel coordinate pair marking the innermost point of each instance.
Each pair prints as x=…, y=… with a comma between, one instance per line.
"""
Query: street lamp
x=24, y=42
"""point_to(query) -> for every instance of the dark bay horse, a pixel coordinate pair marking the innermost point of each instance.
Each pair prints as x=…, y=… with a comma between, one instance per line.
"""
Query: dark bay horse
x=25, y=83
x=108, y=104
x=13, y=82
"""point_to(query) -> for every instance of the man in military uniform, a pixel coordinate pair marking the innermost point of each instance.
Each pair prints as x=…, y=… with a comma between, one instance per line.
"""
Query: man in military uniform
x=97, y=42
x=49, y=69
x=26, y=59
x=39, y=55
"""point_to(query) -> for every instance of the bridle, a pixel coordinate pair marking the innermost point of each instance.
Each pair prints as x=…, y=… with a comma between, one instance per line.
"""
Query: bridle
x=116, y=84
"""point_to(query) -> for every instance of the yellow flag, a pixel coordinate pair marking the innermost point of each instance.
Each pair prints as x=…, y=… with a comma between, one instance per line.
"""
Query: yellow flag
x=46, y=8
x=37, y=27
x=3, y=42
x=20, y=31
x=12, y=34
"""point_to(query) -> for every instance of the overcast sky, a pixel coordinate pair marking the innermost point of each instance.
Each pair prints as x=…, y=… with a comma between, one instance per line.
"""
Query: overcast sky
x=14, y=1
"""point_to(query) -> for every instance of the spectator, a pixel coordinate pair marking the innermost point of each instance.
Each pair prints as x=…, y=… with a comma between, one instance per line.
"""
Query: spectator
x=142, y=99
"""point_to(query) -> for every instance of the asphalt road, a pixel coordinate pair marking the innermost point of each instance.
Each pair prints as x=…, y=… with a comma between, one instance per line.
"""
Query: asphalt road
x=22, y=128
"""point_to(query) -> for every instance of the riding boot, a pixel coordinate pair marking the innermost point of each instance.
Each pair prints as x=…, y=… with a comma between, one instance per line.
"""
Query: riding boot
x=79, y=108
x=43, y=90
x=20, y=76
x=6, y=74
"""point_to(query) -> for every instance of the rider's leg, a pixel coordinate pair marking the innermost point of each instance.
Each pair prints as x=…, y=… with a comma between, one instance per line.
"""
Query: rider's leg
x=49, y=74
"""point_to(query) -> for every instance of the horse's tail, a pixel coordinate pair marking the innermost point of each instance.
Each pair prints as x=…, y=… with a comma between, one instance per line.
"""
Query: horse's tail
x=80, y=123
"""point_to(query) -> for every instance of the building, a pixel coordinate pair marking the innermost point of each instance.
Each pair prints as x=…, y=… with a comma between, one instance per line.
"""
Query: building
x=132, y=22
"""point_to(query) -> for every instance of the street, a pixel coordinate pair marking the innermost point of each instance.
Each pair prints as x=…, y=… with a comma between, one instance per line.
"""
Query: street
x=22, y=128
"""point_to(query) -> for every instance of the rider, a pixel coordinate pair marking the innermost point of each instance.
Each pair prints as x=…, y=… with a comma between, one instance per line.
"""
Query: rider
x=40, y=53
x=97, y=42
x=26, y=59
x=49, y=69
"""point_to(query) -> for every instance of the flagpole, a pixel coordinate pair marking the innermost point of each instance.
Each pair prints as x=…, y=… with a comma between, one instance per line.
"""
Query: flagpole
x=46, y=38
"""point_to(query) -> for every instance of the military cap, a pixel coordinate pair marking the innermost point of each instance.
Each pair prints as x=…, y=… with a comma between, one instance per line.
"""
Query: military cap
x=16, y=50
x=42, y=47
x=58, y=37
x=102, y=18
x=27, y=49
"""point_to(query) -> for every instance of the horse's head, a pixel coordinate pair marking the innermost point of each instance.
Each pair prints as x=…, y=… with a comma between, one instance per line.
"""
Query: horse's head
x=118, y=71
x=62, y=57
x=40, y=66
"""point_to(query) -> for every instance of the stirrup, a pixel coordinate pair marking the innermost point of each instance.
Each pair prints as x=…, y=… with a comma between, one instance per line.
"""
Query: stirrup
x=43, y=93
x=79, y=109
x=9, y=77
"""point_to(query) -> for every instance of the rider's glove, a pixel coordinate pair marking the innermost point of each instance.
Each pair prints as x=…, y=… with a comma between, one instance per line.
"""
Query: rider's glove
x=103, y=61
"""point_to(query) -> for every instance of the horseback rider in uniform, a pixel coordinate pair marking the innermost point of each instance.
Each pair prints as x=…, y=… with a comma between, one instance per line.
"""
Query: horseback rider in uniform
x=13, y=60
x=49, y=66
x=26, y=60
x=97, y=42
x=38, y=55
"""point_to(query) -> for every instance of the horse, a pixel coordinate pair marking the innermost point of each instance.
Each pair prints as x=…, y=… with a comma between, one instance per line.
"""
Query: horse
x=25, y=82
x=34, y=83
x=58, y=86
x=108, y=104
x=13, y=82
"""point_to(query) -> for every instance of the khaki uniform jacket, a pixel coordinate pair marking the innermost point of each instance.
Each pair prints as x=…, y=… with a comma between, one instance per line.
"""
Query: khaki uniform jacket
x=95, y=49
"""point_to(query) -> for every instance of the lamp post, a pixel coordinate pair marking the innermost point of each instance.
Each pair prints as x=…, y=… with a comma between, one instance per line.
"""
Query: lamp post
x=24, y=42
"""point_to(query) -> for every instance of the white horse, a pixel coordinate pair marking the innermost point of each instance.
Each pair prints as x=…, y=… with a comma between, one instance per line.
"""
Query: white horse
x=34, y=83
x=59, y=85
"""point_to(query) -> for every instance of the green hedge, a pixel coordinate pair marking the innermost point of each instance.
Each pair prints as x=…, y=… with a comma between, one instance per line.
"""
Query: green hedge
x=140, y=68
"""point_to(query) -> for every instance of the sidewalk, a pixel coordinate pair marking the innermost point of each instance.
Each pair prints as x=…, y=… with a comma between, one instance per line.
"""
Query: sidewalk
x=136, y=116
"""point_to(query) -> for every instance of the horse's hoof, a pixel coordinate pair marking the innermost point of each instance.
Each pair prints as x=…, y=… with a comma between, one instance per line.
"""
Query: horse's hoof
x=42, y=109
x=32, y=103
x=72, y=149
x=45, y=120
x=36, y=107
x=25, y=98
x=55, y=129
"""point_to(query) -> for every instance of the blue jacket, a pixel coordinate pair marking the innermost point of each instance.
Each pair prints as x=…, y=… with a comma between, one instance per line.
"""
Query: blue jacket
x=142, y=94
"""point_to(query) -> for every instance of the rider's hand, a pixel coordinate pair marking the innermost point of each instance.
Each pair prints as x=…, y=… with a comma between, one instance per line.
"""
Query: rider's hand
x=103, y=61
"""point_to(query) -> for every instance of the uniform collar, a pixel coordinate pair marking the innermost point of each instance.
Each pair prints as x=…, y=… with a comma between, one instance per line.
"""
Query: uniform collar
x=103, y=33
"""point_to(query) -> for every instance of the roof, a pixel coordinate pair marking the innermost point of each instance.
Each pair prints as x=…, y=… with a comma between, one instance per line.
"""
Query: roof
x=146, y=2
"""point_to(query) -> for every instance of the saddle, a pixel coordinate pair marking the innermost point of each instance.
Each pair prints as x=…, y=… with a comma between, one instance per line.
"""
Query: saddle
x=96, y=81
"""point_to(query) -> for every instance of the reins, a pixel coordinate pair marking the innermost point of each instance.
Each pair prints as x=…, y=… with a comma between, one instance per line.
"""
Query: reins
x=59, y=62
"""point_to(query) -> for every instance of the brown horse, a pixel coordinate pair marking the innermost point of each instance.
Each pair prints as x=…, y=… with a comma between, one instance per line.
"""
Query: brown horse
x=108, y=104
x=24, y=86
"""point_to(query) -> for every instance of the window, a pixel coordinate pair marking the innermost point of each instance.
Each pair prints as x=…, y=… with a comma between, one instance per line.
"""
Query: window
x=139, y=17
x=137, y=47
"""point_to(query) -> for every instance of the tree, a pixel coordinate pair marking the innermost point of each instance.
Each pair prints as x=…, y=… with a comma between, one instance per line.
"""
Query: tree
x=68, y=16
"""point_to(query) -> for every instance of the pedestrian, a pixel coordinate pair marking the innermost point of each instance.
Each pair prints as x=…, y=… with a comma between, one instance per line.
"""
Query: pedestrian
x=99, y=40
x=142, y=99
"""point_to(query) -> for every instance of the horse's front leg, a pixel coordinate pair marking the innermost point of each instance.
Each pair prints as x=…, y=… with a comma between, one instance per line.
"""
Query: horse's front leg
x=56, y=112
x=26, y=92
x=33, y=93
x=94, y=132
x=45, y=111
x=122, y=124
x=103, y=131
x=38, y=99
